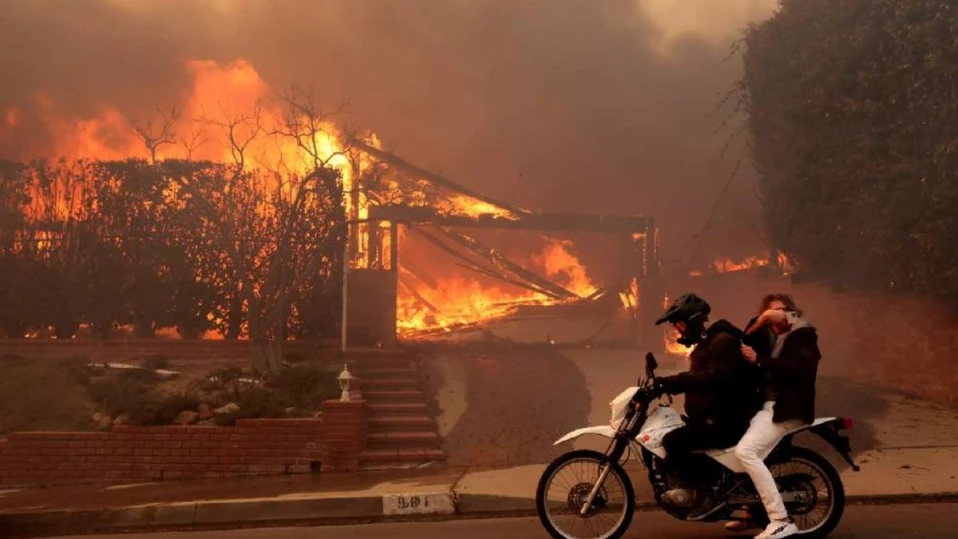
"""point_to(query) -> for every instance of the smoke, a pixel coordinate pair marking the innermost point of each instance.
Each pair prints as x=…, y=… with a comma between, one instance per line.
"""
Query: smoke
x=561, y=105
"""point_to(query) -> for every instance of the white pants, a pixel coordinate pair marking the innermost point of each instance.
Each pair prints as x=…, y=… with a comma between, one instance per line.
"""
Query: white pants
x=755, y=445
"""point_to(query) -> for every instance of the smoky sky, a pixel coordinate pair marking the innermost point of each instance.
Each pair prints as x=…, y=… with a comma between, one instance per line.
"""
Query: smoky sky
x=558, y=105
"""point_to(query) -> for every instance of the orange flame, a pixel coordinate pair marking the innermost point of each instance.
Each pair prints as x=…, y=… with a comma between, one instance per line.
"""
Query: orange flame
x=462, y=300
x=560, y=264
x=672, y=346
x=229, y=116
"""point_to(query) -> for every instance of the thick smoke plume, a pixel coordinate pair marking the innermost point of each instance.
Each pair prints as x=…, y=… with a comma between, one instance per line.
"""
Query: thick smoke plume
x=562, y=105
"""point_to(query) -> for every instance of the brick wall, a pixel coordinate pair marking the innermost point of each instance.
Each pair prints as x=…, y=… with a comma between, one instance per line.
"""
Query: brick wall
x=252, y=447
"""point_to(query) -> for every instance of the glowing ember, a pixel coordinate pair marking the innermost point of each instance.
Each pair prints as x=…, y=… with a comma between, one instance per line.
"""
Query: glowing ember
x=728, y=265
x=462, y=300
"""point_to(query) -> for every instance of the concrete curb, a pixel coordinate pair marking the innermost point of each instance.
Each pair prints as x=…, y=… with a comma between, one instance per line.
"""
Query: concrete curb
x=229, y=514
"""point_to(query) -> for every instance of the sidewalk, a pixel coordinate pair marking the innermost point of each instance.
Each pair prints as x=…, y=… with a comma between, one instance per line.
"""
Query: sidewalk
x=893, y=475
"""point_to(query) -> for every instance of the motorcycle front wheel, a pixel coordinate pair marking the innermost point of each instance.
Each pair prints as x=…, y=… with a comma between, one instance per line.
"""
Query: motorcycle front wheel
x=565, y=487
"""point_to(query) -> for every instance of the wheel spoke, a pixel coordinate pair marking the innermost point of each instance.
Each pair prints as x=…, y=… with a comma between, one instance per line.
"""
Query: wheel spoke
x=802, y=476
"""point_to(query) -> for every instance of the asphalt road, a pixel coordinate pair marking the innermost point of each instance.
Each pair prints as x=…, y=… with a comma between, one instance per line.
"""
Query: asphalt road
x=929, y=521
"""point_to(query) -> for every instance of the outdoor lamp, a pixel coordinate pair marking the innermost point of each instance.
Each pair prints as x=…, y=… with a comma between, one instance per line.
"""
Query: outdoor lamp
x=345, y=381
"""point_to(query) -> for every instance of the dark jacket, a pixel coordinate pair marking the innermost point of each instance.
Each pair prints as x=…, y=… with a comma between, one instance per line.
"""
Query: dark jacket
x=793, y=372
x=720, y=387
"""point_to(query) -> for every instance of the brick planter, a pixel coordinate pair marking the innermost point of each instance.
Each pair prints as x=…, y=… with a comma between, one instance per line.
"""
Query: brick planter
x=252, y=447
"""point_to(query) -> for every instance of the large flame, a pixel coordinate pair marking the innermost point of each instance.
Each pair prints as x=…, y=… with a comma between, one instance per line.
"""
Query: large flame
x=565, y=268
x=232, y=115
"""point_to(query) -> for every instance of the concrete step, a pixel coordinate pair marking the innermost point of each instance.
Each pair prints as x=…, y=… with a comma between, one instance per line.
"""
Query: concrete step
x=390, y=384
x=377, y=364
x=376, y=374
x=386, y=456
x=392, y=409
x=393, y=396
x=403, y=440
x=411, y=423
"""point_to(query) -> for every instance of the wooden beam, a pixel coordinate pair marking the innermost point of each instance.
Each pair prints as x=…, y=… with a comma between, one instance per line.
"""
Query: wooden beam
x=543, y=222
x=436, y=179
x=501, y=262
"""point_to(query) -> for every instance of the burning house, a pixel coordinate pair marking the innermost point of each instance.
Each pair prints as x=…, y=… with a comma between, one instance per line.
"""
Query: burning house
x=391, y=294
x=424, y=255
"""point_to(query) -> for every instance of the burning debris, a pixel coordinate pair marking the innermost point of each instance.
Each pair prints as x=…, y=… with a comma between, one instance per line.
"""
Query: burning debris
x=781, y=262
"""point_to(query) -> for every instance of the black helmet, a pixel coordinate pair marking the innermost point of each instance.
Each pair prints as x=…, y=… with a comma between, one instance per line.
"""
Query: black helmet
x=687, y=308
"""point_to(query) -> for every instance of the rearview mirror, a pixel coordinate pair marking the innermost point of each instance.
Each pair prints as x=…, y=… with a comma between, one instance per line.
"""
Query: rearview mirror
x=650, y=365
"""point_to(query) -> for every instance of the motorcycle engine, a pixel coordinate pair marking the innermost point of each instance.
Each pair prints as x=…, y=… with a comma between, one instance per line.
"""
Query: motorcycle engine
x=681, y=498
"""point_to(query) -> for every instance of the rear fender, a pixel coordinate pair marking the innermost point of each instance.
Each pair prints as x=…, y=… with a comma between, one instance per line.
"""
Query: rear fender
x=830, y=429
x=831, y=432
x=602, y=430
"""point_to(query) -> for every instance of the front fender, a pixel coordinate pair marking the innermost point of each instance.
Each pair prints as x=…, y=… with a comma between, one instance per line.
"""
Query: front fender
x=604, y=430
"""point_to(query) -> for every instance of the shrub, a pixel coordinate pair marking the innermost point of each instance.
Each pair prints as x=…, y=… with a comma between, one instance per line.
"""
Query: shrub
x=307, y=386
x=124, y=392
x=257, y=403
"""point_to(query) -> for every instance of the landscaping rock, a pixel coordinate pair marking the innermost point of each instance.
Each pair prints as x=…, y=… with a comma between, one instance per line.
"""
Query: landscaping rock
x=205, y=412
x=186, y=417
x=98, y=418
x=121, y=420
x=230, y=408
x=206, y=422
x=105, y=422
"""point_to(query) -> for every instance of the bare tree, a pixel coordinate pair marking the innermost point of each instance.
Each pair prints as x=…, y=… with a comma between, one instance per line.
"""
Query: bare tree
x=241, y=130
x=195, y=141
x=279, y=229
x=162, y=133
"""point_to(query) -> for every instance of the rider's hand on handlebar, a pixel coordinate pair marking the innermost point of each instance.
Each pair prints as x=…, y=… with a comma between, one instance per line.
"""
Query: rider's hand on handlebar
x=659, y=387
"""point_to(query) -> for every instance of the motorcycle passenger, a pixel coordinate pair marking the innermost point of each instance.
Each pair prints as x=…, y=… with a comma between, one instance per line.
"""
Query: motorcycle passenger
x=790, y=372
x=721, y=391
x=761, y=339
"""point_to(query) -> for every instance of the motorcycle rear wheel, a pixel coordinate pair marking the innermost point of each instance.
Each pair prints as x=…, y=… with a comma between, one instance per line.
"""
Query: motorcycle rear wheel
x=570, y=495
x=802, y=469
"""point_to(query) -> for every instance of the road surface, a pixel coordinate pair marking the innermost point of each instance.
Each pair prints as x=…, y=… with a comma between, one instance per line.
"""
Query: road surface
x=929, y=521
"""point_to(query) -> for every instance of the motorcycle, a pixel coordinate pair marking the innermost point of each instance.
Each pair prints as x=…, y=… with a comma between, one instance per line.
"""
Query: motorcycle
x=602, y=492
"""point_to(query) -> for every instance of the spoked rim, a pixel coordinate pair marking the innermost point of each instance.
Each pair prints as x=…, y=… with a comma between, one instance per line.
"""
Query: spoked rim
x=564, y=496
x=813, y=483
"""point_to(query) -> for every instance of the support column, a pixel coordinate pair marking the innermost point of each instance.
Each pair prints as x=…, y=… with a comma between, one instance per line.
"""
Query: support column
x=650, y=288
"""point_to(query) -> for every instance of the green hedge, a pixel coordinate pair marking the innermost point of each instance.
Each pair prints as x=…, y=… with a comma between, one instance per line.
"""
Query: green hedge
x=853, y=112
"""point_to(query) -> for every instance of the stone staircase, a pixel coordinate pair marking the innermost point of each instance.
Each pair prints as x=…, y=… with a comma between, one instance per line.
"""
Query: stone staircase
x=401, y=431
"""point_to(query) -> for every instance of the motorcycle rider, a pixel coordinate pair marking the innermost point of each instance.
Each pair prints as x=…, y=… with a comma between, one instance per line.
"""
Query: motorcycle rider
x=721, y=390
x=790, y=372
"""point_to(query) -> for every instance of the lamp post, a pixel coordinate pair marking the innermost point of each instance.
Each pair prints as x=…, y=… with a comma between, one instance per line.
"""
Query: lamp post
x=345, y=382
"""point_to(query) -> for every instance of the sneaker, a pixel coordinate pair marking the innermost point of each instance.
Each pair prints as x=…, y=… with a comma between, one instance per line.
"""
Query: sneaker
x=778, y=529
x=708, y=507
x=742, y=526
